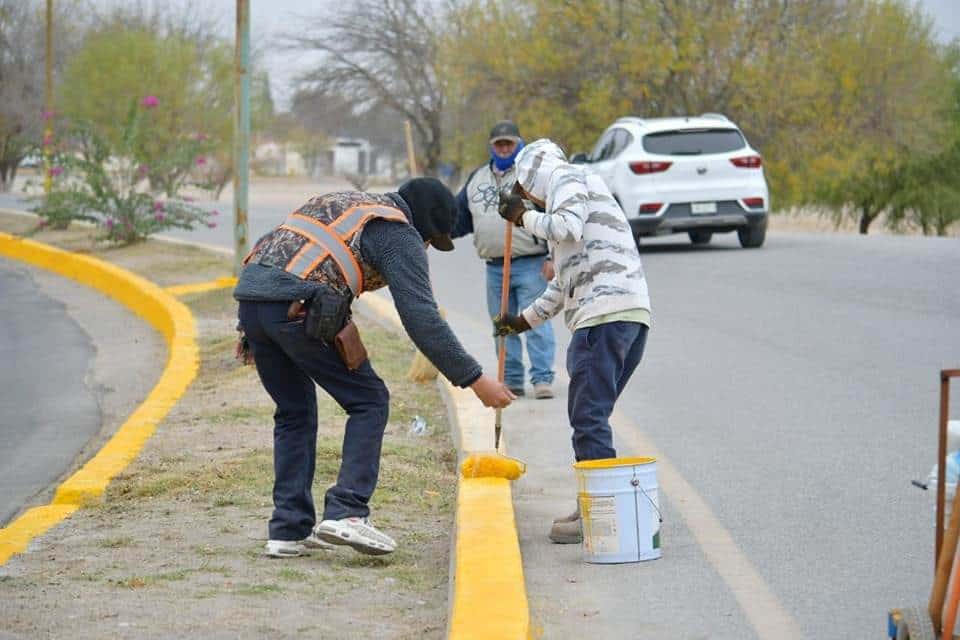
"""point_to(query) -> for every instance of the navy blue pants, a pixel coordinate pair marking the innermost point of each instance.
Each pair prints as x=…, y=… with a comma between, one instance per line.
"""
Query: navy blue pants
x=289, y=364
x=600, y=361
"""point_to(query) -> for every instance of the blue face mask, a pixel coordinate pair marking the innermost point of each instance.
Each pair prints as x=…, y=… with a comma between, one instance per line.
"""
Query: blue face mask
x=502, y=164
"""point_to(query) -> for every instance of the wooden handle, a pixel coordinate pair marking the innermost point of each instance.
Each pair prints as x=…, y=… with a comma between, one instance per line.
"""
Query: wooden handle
x=504, y=307
x=505, y=296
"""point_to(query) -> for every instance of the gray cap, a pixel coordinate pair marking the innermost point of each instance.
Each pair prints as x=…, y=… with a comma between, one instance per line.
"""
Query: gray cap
x=505, y=130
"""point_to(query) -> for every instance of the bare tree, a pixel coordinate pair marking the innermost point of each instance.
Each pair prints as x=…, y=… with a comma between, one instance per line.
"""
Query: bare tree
x=379, y=52
x=21, y=85
x=22, y=41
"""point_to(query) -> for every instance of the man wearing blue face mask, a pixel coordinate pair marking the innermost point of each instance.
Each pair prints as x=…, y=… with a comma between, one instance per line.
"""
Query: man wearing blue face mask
x=531, y=266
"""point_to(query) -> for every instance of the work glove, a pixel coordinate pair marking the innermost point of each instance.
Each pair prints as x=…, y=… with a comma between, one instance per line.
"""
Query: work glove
x=511, y=207
x=507, y=325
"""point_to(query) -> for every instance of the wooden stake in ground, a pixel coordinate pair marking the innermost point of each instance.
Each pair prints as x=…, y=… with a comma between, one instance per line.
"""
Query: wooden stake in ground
x=421, y=369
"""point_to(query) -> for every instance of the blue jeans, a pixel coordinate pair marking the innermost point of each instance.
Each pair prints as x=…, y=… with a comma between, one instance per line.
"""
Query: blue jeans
x=600, y=361
x=526, y=285
x=289, y=364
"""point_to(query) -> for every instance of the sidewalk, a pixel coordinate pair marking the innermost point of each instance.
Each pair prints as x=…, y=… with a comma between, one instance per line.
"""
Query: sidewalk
x=175, y=549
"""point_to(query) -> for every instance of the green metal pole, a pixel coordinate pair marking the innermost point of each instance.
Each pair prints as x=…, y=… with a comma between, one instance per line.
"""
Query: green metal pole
x=48, y=104
x=241, y=134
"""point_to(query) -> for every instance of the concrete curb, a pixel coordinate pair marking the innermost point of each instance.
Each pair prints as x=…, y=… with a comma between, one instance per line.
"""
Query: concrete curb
x=168, y=316
x=488, y=594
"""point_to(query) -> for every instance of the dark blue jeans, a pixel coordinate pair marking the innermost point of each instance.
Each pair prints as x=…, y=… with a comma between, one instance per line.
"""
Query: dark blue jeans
x=289, y=364
x=600, y=361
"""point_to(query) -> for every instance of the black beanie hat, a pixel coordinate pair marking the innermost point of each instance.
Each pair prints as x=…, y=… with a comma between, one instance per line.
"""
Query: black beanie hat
x=434, y=210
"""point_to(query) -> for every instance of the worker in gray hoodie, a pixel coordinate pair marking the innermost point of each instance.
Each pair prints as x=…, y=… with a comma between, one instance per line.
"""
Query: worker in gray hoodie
x=599, y=286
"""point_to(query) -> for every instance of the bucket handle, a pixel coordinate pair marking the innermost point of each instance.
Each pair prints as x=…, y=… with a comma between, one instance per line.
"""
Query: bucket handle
x=636, y=483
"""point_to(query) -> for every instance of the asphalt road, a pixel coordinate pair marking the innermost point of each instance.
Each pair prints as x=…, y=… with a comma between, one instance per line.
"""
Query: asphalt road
x=795, y=391
x=73, y=366
x=791, y=394
x=47, y=411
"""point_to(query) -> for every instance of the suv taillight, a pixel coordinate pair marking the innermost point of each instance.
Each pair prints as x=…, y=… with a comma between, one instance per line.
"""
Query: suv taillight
x=747, y=162
x=645, y=167
x=650, y=207
x=753, y=203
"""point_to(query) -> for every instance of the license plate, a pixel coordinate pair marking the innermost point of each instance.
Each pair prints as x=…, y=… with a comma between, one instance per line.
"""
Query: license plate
x=701, y=208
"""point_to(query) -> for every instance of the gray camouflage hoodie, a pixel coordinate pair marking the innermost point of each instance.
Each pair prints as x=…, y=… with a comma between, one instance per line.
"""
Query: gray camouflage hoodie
x=594, y=252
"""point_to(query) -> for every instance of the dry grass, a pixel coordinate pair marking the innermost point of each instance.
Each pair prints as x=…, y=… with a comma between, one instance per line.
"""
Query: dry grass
x=175, y=549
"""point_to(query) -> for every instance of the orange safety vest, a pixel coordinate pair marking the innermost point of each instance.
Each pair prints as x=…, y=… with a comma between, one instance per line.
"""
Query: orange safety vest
x=331, y=240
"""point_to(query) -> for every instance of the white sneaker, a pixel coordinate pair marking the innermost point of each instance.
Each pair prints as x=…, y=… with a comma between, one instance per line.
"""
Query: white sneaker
x=357, y=533
x=295, y=548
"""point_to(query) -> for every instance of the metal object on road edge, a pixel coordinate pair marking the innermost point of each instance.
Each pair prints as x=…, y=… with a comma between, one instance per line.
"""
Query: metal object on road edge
x=946, y=545
x=945, y=376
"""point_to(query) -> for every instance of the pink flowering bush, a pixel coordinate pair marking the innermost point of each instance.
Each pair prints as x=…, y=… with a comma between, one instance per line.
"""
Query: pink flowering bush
x=128, y=190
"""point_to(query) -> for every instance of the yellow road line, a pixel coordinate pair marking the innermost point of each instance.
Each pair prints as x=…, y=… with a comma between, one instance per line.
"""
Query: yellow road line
x=168, y=316
x=201, y=287
x=489, y=597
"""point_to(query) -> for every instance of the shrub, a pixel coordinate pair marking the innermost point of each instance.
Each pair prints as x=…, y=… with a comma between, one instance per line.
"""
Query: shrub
x=108, y=184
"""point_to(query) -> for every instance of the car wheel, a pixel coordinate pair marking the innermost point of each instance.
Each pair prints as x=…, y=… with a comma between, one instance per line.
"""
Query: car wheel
x=753, y=235
x=700, y=237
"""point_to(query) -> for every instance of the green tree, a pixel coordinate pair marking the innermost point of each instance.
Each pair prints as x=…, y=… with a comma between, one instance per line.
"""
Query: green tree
x=929, y=197
x=119, y=62
x=882, y=105
x=835, y=93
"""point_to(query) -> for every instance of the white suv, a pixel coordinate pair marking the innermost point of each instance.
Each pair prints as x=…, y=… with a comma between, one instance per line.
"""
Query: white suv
x=695, y=175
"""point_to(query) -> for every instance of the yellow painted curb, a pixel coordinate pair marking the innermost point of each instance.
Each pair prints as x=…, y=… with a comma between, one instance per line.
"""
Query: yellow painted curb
x=162, y=311
x=201, y=287
x=489, y=597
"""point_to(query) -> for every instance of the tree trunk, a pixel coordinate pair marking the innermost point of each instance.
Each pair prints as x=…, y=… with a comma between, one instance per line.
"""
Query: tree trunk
x=866, y=217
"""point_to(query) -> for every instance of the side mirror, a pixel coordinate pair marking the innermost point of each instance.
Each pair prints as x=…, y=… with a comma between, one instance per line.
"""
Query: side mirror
x=578, y=158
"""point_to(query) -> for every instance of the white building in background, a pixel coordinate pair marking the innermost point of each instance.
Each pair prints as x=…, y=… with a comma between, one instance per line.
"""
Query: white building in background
x=343, y=157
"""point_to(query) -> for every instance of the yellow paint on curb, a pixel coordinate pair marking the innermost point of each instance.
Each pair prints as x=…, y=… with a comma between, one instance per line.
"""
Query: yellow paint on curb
x=489, y=598
x=34, y=522
x=168, y=316
x=201, y=287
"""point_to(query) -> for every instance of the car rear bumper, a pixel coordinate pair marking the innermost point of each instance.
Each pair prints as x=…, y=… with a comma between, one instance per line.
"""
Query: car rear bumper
x=677, y=218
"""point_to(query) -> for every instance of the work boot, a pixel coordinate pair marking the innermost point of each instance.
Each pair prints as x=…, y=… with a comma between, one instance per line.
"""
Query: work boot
x=566, y=530
x=542, y=391
x=570, y=518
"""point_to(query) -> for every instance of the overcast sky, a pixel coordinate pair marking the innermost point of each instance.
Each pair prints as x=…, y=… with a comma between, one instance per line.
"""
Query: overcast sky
x=270, y=18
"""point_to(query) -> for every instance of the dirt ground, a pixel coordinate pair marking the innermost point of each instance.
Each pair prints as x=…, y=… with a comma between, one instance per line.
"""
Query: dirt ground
x=175, y=548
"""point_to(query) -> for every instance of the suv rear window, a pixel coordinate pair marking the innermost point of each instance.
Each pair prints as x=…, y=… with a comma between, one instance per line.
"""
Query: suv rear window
x=693, y=142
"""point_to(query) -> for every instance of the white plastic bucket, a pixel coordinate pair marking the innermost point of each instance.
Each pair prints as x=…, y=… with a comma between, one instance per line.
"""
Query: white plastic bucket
x=620, y=509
